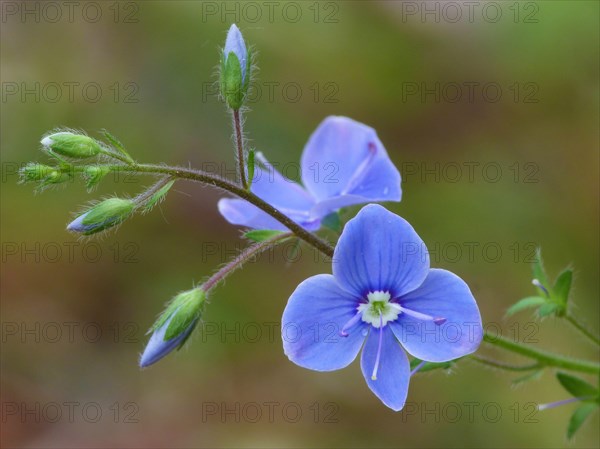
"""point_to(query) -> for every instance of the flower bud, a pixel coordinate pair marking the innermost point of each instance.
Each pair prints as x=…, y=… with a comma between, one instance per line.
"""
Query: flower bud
x=235, y=69
x=44, y=174
x=94, y=173
x=77, y=146
x=36, y=172
x=174, y=326
x=102, y=216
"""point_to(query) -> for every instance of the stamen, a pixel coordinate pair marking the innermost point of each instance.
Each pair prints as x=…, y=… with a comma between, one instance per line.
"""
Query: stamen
x=539, y=285
x=438, y=321
x=374, y=375
x=558, y=403
x=418, y=367
x=351, y=322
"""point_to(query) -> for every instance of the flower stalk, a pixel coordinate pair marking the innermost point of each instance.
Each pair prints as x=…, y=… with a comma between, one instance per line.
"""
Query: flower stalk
x=239, y=143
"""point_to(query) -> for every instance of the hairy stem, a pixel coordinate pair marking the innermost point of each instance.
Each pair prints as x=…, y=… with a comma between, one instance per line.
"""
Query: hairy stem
x=231, y=187
x=242, y=258
x=581, y=328
x=543, y=357
x=239, y=141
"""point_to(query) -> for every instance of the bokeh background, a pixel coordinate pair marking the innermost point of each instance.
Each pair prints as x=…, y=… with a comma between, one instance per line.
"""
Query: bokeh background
x=74, y=312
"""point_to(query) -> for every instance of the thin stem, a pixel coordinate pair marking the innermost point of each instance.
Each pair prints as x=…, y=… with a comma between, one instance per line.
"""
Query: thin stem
x=581, y=328
x=242, y=258
x=231, y=187
x=543, y=357
x=239, y=141
x=505, y=366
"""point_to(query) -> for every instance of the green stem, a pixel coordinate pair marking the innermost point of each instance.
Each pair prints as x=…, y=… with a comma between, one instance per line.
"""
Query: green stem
x=242, y=258
x=231, y=187
x=543, y=357
x=505, y=366
x=581, y=328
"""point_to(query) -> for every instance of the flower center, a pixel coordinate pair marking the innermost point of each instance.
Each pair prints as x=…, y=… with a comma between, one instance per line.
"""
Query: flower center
x=378, y=311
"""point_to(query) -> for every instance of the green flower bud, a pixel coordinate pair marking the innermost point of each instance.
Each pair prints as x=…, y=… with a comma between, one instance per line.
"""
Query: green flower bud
x=94, y=174
x=36, y=172
x=102, y=216
x=77, y=146
x=44, y=174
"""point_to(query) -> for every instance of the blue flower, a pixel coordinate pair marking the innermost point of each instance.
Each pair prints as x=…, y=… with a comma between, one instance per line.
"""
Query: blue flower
x=344, y=163
x=235, y=44
x=382, y=293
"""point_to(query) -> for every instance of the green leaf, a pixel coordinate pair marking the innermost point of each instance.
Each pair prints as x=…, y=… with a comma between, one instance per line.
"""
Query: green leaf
x=535, y=375
x=562, y=286
x=250, y=167
x=260, y=235
x=333, y=222
x=116, y=143
x=525, y=303
x=158, y=196
x=539, y=272
x=429, y=366
x=548, y=309
x=579, y=417
x=576, y=386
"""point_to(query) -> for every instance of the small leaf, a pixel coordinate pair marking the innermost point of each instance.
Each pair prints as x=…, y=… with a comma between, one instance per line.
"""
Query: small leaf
x=548, y=309
x=116, y=143
x=562, y=286
x=250, y=167
x=525, y=303
x=429, y=366
x=579, y=417
x=157, y=196
x=576, y=386
x=535, y=375
x=260, y=235
x=333, y=222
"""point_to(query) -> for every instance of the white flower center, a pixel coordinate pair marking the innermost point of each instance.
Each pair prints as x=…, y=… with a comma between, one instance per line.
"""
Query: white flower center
x=379, y=310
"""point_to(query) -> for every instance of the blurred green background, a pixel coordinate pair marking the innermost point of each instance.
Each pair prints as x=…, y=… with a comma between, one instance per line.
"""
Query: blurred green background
x=74, y=312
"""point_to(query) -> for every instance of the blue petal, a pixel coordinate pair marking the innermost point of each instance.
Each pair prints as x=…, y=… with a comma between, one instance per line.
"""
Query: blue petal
x=235, y=43
x=378, y=250
x=285, y=195
x=444, y=295
x=345, y=157
x=315, y=314
x=157, y=347
x=393, y=374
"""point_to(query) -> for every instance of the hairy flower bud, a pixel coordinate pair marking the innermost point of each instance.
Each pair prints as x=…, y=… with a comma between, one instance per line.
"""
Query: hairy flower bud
x=174, y=325
x=77, y=146
x=36, y=172
x=102, y=216
x=235, y=68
